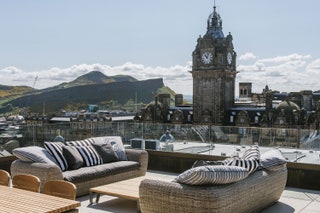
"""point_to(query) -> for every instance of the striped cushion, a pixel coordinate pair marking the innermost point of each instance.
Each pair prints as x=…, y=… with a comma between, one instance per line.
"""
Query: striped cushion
x=87, y=151
x=207, y=175
x=34, y=154
x=55, y=149
x=85, y=142
x=89, y=155
x=252, y=153
x=207, y=163
x=116, y=143
x=272, y=160
x=224, y=162
x=250, y=164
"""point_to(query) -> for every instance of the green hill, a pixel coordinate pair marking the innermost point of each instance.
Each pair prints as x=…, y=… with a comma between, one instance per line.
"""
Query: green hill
x=91, y=88
x=94, y=77
x=55, y=100
x=11, y=91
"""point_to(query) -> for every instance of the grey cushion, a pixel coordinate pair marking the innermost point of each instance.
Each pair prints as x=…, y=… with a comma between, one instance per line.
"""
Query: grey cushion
x=208, y=175
x=88, y=173
x=272, y=160
x=116, y=143
x=73, y=157
x=34, y=154
x=106, y=152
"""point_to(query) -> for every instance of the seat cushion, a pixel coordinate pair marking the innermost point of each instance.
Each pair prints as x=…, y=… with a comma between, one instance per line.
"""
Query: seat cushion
x=89, y=173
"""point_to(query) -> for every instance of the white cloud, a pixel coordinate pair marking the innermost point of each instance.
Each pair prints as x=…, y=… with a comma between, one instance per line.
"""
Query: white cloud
x=247, y=56
x=10, y=71
x=14, y=76
x=176, y=77
x=283, y=73
x=256, y=67
x=282, y=59
x=314, y=67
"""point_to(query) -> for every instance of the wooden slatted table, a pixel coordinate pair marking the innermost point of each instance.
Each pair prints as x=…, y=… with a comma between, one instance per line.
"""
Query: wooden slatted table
x=14, y=200
x=128, y=189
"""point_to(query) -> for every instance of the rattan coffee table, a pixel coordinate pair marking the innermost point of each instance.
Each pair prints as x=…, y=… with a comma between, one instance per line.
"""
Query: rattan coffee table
x=128, y=189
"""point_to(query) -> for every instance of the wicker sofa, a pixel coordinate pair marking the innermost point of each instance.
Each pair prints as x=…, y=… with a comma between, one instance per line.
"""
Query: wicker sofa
x=252, y=194
x=87, y=177
x=248, y=183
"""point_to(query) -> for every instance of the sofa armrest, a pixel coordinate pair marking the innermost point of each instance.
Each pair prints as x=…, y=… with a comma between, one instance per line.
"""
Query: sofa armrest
x=140, y=156
x=43, y=171
x=164, y=196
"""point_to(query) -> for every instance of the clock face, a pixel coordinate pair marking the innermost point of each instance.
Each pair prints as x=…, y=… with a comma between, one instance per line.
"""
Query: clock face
x=229, y=58
x=206, y=57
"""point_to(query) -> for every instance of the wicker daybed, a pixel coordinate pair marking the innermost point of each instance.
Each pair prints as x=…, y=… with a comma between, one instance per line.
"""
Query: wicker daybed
x=237, y=184
x=252, y=194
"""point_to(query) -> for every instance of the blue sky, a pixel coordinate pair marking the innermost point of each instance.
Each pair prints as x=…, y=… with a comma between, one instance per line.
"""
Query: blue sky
x=277, y=42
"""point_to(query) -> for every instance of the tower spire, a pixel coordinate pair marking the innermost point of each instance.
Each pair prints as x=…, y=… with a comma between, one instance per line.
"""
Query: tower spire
x=214, y=24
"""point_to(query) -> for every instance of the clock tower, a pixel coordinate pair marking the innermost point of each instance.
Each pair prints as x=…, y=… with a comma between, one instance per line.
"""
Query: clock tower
x=213, y=73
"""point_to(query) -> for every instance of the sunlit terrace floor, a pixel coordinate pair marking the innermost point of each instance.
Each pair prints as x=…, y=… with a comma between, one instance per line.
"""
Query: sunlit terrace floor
x=292, y=200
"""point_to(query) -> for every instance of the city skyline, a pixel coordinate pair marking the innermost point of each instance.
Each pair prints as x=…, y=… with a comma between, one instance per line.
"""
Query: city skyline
x=55, y=42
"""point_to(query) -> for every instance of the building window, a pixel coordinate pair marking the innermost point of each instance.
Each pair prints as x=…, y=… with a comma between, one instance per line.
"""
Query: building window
x=231, y=119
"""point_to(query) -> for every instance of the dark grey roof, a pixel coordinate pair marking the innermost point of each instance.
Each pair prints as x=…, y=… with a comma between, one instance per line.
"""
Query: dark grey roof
x=214, y=25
